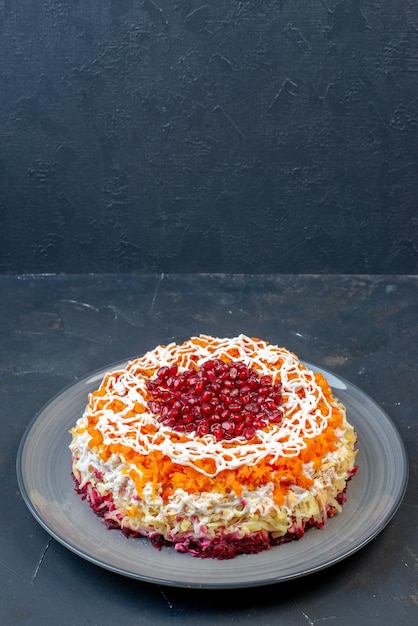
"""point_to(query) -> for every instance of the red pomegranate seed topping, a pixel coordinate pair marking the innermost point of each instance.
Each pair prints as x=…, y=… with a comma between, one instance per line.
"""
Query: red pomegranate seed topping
x=224, y=400
x=249, y=432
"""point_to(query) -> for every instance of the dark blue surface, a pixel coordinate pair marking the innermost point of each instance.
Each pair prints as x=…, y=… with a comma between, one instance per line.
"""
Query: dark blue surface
x=254, y=136
x=56, y=329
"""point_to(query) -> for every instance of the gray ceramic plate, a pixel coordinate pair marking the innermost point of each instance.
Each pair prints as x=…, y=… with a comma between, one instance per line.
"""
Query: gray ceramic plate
x=374, y=495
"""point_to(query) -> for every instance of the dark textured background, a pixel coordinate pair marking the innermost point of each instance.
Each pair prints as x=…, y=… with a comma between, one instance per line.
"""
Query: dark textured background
x=56, y=329
x=262, y=136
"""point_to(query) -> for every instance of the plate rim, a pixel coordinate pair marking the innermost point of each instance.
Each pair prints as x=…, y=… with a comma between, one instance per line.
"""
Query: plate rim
x=97, y=374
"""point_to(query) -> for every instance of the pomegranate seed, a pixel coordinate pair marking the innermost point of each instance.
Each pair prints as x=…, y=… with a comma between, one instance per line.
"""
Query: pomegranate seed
x=270, y=404
x=169, y=423
x=239, y=429
x=249, y=432
x=206, y=396
x=206, y=409
x=228, y=400
x=154, y=407
x=228, y=427
x=222, y=399
x=200, y=386
x=276, y=417
x=163, y=373
x=217, y=431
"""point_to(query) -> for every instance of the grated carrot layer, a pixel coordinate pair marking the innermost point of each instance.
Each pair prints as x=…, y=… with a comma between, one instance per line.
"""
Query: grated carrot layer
x=166, y=476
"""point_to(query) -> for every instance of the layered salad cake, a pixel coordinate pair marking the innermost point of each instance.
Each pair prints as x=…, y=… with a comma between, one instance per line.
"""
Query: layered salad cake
x=215, y=446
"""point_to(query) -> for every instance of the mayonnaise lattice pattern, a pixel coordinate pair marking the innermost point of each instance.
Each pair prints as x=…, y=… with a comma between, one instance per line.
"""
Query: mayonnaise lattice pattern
x=306, y=410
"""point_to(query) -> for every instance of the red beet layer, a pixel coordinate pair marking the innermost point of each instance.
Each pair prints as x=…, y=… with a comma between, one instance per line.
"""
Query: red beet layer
x=221, y=548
